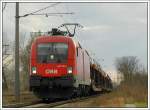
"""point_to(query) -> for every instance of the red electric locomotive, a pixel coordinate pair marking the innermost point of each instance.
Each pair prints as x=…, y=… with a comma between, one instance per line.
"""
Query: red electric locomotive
x=60, y=67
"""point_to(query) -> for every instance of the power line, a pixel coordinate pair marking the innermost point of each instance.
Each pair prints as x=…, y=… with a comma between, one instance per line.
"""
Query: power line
x=78, y=38
x=49, y=14
x=61, y=17
x=65, y=20
x=74, y=20
x=67, y=8
x=45, y=8
x=52, y=5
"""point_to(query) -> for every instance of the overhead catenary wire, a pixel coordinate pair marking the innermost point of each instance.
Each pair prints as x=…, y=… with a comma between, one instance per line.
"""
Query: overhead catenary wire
x=65, y=20
x=51, y=14
x=60, y=15
x=52, y=5
x=74, y=20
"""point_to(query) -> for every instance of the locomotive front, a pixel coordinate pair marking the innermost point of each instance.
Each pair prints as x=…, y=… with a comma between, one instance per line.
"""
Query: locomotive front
x=52, y=66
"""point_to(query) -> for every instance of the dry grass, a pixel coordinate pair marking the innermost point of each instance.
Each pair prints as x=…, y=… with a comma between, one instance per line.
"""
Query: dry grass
x=9, y=98
x=130, y=92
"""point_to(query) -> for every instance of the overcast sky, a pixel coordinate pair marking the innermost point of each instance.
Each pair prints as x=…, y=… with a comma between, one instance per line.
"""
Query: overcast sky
x=110, y=30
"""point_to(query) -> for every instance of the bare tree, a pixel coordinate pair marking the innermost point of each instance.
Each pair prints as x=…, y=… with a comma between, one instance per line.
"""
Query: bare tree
x=5, y=60
x=24, y=60
x=127, y=65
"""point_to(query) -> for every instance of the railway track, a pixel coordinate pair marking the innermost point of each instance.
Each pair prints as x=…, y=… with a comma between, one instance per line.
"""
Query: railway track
x=41, y=104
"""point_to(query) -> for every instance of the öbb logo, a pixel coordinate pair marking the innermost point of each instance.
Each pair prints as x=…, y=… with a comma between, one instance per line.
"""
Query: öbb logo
x=50, y=71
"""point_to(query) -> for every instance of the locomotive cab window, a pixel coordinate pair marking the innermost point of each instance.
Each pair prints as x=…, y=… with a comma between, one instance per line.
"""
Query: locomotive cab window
x=52, y=53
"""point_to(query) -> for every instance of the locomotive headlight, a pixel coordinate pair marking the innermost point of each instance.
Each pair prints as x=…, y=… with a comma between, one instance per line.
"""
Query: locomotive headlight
x=34, y=70
x=69, y=70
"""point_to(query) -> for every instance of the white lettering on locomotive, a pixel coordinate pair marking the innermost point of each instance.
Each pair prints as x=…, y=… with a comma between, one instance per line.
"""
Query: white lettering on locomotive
x=50, y=71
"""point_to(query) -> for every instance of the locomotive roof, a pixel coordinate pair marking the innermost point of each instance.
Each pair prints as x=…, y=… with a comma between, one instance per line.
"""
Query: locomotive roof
x=44, y=38
x=58, y=38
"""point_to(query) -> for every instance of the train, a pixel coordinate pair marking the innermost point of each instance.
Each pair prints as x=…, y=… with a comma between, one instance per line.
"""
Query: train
x=61, y=68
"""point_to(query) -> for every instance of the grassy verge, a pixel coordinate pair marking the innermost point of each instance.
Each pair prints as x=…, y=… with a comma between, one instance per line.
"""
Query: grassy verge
x=129, y=94
x=133, y=92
